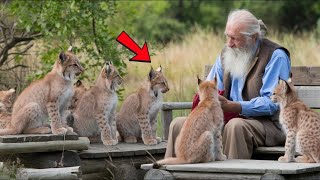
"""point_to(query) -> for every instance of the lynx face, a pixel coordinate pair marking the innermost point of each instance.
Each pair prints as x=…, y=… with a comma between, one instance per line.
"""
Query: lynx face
x=6, y=100
x=70, y=65
x=281, y=91
x=112, y=76
x=158, y=81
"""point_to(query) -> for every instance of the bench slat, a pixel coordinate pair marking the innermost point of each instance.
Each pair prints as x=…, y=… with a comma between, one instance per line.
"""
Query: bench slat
x=309, y=95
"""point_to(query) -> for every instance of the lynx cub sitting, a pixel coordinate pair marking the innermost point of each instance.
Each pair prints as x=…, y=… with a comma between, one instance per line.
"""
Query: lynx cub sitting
x=6, y=102
x=79, y=90
x=200, y=137
x=137, y=117
x=300, y=123
x=46, y=98
x=96, y=109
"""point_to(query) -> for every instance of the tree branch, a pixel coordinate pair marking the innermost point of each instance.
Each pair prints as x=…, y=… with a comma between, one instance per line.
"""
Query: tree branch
x=13, y=67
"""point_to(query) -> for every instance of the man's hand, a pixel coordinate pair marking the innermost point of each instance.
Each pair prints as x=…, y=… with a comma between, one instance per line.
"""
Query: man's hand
x=229, y=106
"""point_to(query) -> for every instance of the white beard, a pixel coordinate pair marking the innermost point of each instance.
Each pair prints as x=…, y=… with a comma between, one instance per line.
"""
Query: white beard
x=237, y=61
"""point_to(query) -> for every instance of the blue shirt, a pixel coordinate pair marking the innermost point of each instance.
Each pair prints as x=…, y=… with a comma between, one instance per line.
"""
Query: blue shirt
x=278, y=67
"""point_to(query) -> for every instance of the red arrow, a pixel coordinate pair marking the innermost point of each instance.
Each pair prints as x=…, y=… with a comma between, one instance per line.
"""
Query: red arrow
x=142, y=55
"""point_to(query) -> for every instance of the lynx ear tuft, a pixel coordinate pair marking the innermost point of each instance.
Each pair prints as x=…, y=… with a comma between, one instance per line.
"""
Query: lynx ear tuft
x=159, y=69
x=108, y=68
x=70, y=49
x=62, y=57
x=12, y=90
x=152, y=73
x=78, y=83
x=199, y=80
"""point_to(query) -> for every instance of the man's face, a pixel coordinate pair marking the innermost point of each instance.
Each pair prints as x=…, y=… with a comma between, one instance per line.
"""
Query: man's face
x=239, y=51
x=234, y=37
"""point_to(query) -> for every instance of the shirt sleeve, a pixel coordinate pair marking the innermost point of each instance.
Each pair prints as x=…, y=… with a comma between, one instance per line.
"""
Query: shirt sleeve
x=278, y=67
x=216, y=70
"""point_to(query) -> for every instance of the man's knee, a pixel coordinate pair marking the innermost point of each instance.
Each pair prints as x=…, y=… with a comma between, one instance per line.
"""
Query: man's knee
x=234, y=125
x=177, y=123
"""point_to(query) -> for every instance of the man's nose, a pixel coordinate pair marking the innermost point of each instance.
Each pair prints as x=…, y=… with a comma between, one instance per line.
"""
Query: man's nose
x=230, y=43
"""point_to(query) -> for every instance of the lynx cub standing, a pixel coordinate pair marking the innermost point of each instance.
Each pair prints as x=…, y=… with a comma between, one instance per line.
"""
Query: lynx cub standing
x=6, y=102
x=300, y=123
x=96, y=110
x=137, y=117
x=46, y=98
x=200, y=137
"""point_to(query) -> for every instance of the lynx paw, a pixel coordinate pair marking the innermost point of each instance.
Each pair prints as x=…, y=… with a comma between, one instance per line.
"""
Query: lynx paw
x=159, y=140
x=130, y=139
x=222, y=157
x=150, y=142
x=59, y=131
x=304, y=159
x=285, y=159
x=70, y=131
x=110, y=142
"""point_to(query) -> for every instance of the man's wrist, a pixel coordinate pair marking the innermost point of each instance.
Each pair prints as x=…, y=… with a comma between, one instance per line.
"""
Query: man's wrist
x=234, y=107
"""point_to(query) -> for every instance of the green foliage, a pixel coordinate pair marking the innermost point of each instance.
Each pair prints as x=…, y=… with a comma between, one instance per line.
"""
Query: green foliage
x=81, y=23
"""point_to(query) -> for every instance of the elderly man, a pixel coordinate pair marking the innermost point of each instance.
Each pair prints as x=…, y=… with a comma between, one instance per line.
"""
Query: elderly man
x=248, y=69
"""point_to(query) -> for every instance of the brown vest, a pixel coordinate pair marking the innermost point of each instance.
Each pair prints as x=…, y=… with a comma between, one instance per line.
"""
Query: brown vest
x=253, y=84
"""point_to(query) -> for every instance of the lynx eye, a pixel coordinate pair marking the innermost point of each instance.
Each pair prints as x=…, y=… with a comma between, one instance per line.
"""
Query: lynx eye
x=273, y=93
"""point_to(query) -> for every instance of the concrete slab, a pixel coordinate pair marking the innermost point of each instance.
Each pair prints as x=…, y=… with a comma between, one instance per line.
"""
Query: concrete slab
x=243, y=166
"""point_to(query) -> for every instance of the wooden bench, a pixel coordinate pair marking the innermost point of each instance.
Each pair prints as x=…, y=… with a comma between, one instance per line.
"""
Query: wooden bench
x=307, y=82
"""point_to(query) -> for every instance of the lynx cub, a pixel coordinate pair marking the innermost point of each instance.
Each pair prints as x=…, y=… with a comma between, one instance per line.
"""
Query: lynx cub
x=200, y=137
x=137, y=117
x=300, y=123
x=6, y=102
x=46, y=98
x=96, y=109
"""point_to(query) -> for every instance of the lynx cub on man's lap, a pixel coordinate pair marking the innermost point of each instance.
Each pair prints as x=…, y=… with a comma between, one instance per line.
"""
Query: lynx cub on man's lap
x=200, y=137
x=6, y=102
x=95, y=112
x=300, y=123
x=46, y=98
x=137, y=117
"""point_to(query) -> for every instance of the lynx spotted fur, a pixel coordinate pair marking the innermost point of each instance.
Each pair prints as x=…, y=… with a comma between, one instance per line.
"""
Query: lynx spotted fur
x=300, y=123
x=95, y=112
x=6, y=102
x=137, y=117
x=200, y=137
x=46, y=98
